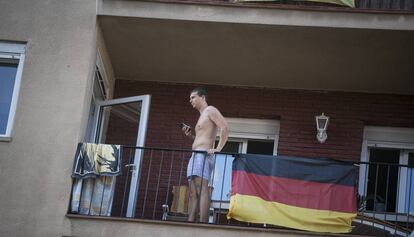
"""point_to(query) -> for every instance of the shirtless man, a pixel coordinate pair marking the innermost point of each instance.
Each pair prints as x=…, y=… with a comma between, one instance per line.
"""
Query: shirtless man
x=200, y=167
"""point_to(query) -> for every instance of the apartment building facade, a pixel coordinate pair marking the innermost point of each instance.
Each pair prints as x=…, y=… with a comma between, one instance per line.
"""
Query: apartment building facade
x=269, y=67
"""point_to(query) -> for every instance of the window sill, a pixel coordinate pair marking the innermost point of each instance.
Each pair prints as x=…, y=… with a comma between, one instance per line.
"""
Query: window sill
x=5, y=139
x=196, y=225
x=282, y=230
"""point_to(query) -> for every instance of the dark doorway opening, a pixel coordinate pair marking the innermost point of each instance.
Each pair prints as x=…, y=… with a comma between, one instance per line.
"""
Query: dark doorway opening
x=382, y=180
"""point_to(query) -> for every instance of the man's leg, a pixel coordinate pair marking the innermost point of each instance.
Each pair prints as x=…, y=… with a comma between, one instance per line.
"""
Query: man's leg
x=204, y=201
x=195, y=184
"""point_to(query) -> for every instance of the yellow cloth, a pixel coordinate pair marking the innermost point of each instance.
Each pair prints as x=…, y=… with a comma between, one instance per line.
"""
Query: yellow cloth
x=96, y=159
x=180, y=199
x=256, y=210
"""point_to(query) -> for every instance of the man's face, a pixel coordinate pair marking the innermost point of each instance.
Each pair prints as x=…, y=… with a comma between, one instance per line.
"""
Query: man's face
x=195, y=100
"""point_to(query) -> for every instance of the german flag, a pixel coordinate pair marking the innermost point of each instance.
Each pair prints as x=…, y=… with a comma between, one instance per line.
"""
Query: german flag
x=301, y=193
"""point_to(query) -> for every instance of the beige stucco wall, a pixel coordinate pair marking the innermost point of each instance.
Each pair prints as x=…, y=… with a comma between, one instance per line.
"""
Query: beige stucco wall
x=35, y=166
x=109, y=228
x=62, y=38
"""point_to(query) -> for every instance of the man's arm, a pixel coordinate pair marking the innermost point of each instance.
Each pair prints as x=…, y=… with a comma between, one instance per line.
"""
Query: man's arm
x=218, y=119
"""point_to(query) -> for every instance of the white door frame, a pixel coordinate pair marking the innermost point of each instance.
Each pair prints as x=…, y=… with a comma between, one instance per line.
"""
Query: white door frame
x=387, y=137
x=243, y=129
x=261, y=129
x=142, y=131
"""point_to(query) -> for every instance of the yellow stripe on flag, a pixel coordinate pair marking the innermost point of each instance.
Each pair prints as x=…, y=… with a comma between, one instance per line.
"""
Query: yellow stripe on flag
x=256, y=210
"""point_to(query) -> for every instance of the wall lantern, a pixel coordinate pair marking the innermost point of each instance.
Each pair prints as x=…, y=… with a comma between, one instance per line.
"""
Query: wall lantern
x=321, y=126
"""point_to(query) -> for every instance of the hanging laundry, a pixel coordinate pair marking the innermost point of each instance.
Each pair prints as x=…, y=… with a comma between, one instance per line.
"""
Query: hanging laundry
x=94, y=171
x=93, y=160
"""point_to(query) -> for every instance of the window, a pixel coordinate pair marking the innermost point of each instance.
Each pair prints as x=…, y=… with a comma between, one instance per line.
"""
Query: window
x=391, y=186
x=99, y=93
x=223, y=165
x=383, y=179
x=11, y=64
x=409, y=194
x=251, y=136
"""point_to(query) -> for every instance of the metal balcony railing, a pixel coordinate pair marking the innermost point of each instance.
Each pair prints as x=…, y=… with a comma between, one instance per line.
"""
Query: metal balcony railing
x=376, y=5
x=385, y=200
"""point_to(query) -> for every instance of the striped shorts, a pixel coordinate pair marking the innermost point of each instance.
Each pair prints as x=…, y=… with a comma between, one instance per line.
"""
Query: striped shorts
x=201, y=165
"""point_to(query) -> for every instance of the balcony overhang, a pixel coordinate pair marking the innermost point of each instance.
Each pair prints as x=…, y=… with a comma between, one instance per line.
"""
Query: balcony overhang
x=277, y=48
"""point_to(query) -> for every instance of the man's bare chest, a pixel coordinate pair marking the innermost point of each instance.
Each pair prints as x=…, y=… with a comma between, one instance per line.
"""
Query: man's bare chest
x=203, y=123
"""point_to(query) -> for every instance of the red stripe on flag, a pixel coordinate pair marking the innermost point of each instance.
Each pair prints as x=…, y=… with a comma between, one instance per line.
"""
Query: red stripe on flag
x=323, y=196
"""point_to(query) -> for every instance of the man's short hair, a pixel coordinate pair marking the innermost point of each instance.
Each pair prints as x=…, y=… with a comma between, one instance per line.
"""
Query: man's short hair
x=201, y=91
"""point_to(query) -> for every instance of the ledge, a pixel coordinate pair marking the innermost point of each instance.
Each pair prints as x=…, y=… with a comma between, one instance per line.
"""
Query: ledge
x=5, y=139
x=209, y=226
x=257, y=14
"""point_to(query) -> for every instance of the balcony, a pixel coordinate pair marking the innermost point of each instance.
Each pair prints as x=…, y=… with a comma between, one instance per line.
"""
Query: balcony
x=265, y=45
x=390, y=6
x=384, y=202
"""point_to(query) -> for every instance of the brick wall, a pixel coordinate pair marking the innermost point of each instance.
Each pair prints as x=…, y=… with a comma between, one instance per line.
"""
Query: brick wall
x=349, y=113
x=295, y=109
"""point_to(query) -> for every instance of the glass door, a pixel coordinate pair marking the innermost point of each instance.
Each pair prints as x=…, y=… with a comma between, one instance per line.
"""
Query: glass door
x=123, y=121
x=222, y=172
x=223, y=165
x=409, y=195
x=382, y=180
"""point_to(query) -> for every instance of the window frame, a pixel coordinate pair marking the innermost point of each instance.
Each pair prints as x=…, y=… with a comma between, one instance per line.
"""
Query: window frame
x=393, y=138
x=243, y=130
x=13, y=51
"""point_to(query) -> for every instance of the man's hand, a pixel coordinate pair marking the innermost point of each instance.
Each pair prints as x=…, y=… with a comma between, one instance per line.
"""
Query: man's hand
x=187, y=131
x=212, y=151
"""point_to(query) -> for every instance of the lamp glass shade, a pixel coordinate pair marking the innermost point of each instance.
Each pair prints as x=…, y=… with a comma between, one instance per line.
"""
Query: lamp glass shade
x=322, y=122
